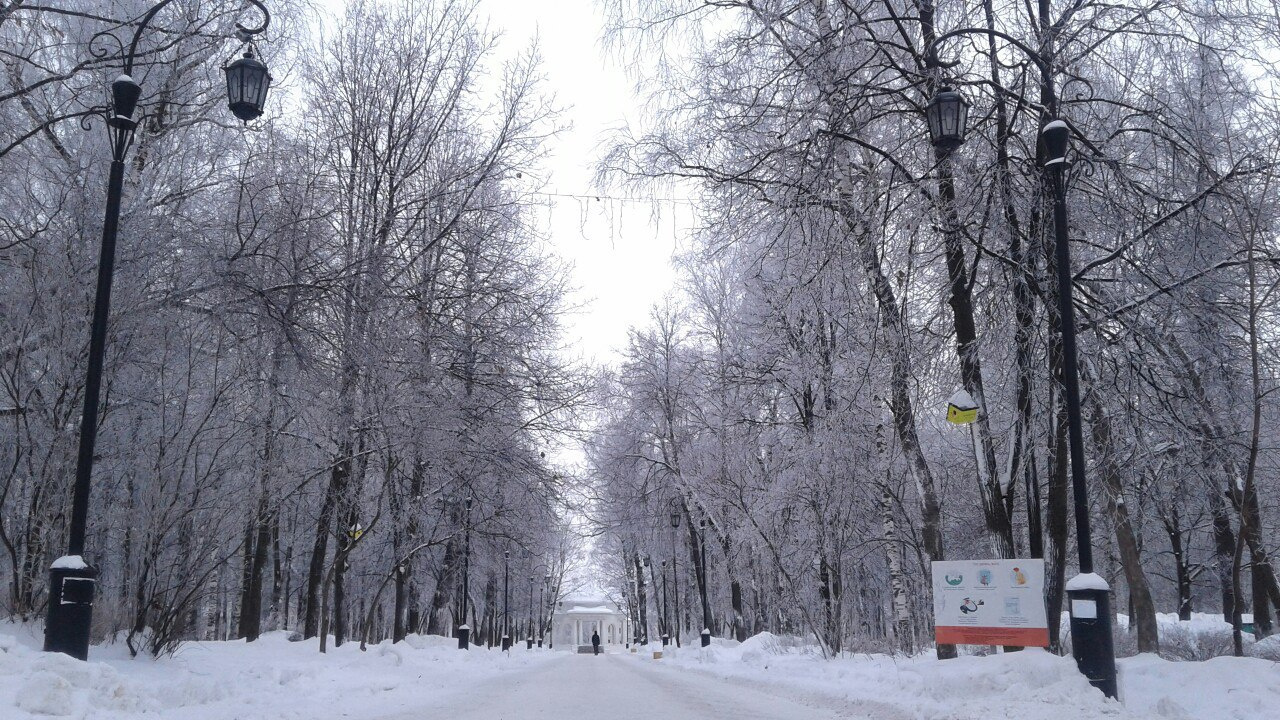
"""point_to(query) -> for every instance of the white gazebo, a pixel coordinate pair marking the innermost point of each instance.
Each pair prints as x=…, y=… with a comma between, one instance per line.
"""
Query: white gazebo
x=577, y=617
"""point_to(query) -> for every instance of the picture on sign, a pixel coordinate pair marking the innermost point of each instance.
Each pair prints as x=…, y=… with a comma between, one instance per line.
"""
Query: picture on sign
x=990, y=602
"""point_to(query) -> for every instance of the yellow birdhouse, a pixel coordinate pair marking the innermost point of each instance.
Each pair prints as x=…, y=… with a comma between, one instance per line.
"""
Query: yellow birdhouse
x=961, y=408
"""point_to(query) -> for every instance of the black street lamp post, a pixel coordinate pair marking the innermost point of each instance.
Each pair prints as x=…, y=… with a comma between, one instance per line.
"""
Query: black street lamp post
x=675, y=578
x=666, y=607
x=506, y=600
x=542, y=609
x=551, y=615
x=529, y=623
x=702, y=586
x=464, y=630
x=72, y=581
x=1092, y=644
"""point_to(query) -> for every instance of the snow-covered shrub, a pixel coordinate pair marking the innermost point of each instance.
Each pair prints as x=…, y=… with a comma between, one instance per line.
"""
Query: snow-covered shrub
x=1267, y=648
x=1196, y=641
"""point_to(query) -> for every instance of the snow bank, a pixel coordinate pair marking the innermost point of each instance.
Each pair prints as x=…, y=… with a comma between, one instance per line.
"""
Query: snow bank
x=1027, y=684
x=264, y=680
x=1222, y=688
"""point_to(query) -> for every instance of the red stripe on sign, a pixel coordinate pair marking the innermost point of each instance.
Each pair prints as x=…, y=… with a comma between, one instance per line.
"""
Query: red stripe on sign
x=1023, y=637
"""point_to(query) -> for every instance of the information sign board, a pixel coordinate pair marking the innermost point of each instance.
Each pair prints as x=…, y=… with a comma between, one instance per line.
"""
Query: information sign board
x=990, y=602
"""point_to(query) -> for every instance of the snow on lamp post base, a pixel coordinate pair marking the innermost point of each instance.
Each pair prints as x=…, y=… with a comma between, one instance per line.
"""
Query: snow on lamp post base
x=71, y=590
x=1089, y=600
x=706, y=637
x=464, y=637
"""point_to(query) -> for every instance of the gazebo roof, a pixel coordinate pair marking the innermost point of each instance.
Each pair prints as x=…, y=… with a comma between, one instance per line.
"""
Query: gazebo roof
x=591, y=610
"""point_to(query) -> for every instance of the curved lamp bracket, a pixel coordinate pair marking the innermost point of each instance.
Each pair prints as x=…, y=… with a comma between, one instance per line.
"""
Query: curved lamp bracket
x=931, y=52
x=243, y=32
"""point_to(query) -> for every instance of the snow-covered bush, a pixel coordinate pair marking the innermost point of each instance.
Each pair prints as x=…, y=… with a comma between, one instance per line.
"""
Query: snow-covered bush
x=1267, y=649
x=1197, y=641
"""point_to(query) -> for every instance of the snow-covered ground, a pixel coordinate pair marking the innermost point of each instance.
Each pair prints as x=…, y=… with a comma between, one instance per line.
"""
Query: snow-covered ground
x=765, y=677
x=1028, y=684
x=268, y=679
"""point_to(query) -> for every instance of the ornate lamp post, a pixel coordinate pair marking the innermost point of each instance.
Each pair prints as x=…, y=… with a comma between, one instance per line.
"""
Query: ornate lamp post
x=72, y=581
x=1088, y=594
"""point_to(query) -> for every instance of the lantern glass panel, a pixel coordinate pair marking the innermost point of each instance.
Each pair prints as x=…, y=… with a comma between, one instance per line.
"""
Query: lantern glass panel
x=950, y=113
x=935, y=122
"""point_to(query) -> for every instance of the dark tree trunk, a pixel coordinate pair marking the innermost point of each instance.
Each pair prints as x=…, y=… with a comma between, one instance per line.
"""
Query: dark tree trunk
x=1056, y=525
x=251, y=599
x=642, y=601
x=739, y=616
x=414, y=615
x=1181, y=563
x=1224, y=550
x=340, y=597
x=398, y=619
x=828, y=593
x=696, y=539
x=246, y=571
x=445, y=581
x=338, y=478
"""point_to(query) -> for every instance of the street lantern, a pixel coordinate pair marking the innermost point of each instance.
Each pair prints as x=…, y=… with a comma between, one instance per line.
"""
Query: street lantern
x=1055, y=137
x=125, y=92
x=247, y=85
x=675, y=516
x=948, y=116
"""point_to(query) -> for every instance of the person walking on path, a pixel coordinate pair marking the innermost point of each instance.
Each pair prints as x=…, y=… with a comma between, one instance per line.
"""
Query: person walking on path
x=595, y=642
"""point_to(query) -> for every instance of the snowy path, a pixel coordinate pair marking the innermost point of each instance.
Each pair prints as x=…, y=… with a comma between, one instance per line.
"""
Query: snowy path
x=619, y=687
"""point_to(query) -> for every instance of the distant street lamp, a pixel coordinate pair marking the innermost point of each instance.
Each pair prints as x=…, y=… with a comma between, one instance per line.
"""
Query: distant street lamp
x=702, y=587
x=551, y=614
x=464, y=630
x=506, y=600
x=72, y=581
x=528, y=626
x=676, y=513
x=1092, y=644
x=666, y=608
x=544, y=632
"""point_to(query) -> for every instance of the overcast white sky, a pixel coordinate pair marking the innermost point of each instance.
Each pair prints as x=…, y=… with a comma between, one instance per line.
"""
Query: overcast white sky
x=621, y=255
